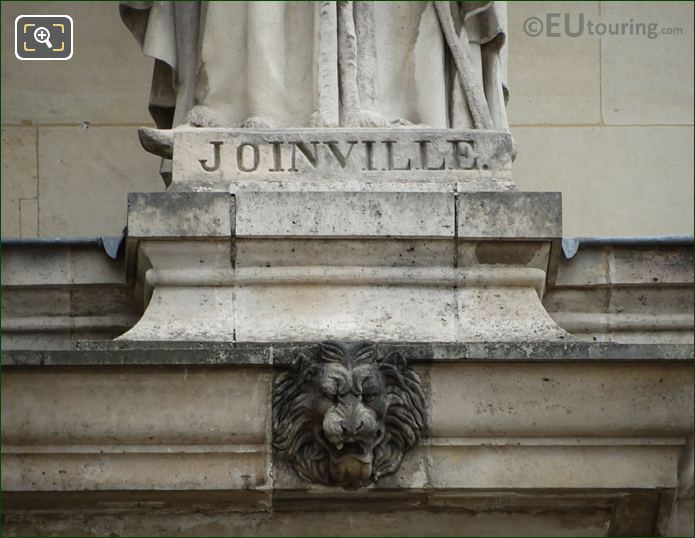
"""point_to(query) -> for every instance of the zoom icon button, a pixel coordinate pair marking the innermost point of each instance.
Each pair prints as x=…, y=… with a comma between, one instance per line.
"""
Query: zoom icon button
x=43, y=37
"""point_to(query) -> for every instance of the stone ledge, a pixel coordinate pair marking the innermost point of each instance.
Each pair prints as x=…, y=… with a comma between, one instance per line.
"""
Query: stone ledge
x=509, y=215
x=158, y=353
x=475, y=513
x=345, y=214
x=177, y=215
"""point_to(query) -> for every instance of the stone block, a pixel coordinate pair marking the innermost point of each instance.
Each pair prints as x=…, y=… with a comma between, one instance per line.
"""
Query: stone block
x=94, y=266
x=165, y=468
x=185, y=256
x=35, y=302
x=345, y=214
x=553, y=80
x=622, y=181
x=86, y=176
x=59, y=265
x=647, y=73
x=553, y=466
x=516, y=253
x=35, y=266
x=142, y=406
x=344, y=252
x=315, y=312
x=651, y=266
x=224, y=155
x=656, y=302
x=19, y=174
x=171, y=215
x=589, y=267
x=561, y=399
x=509, y=215
x=106, y=81
x=101, y=301
x=202, y=313
x=545, y=520
x=566, y=300
x=489, y=313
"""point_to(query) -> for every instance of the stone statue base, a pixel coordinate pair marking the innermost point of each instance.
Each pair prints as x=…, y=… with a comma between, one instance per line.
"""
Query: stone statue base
x=308, y=266
x=406, y=158
x=312, y=234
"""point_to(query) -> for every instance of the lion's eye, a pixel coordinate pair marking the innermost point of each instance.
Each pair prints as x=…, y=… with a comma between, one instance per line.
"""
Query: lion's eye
x=332, y=395
x=369, y=396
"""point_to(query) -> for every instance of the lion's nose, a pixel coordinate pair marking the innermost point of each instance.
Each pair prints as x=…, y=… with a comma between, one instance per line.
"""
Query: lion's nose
x=350, y=428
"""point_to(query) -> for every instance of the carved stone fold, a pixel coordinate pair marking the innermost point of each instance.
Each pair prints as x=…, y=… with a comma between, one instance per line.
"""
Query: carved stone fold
x=348, y=415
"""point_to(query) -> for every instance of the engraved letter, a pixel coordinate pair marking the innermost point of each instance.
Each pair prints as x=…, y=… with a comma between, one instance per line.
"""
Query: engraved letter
x=240, y=157
x=369, y=150
x=464, y=155
x=277, y=158
x=389, y=157
x=423, y=156
x=304, y=149
x=335, y=150
x=215, y=157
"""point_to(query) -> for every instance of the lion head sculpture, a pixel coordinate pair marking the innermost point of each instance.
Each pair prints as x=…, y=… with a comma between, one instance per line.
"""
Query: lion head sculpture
x=347, y=417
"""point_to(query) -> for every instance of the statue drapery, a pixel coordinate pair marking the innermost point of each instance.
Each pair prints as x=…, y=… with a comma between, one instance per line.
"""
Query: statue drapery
x=302, y=64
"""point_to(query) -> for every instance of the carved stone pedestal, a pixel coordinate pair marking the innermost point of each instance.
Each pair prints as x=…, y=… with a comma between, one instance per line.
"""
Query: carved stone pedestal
x=309, y=235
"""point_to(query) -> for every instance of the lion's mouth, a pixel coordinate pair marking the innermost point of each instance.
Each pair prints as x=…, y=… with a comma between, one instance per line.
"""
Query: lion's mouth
x=360, y=450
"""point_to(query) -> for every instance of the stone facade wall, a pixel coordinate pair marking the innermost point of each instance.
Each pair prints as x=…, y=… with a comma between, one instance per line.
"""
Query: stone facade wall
x=606, y=120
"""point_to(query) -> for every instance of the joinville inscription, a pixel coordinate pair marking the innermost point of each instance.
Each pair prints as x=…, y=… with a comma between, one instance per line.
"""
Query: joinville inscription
x=210, y=154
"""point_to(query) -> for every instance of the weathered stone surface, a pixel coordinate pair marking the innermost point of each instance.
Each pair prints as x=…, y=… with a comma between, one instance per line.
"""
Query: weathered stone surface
x=145, y=429
x=183, y=426
x=202, y=313
x=612, y=291
x=589, y=267
x=184, y=255
x=560, y=399
x=180, y=215
x=554, y=466
x=201, y=353
x=501, y=313
x=344, y=214
x=515, y=253
x=323, y=310
x=217, y=303
x=136, y=407
x=224, y=155
x=341, y=252
x=19, y=175
x=56, y=294
x=490, y=520
x=656, y=264
x=59, y=265
x=509, y=215
x=214, y=300
x=207, y=468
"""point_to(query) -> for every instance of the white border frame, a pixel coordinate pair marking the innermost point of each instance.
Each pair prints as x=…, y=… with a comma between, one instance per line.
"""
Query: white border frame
x=16, y=38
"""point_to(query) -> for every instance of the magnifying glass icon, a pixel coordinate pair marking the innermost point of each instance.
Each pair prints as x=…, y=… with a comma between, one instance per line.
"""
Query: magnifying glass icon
x=43, y=36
